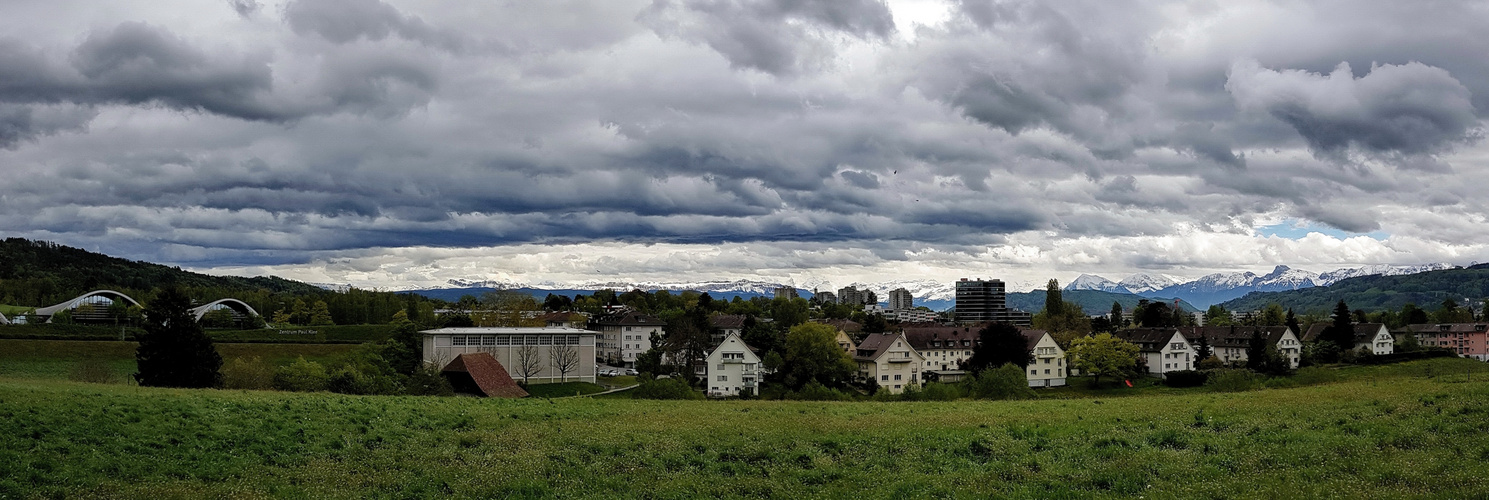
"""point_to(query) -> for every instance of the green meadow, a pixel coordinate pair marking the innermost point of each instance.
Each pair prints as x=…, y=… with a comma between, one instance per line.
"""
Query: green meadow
x=1408, y=430
x=58, y=359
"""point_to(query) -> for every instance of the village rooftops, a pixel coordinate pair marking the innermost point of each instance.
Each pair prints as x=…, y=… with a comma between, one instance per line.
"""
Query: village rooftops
x=1364, y=332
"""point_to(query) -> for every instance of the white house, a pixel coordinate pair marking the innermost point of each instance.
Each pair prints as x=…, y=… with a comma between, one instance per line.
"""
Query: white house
x=537, y=355
x=1163, y=350
x=733, y=368
x=1230, y=343
x=1372, y=336
x=1047, y=367
x=889, y=360
x=942, y=347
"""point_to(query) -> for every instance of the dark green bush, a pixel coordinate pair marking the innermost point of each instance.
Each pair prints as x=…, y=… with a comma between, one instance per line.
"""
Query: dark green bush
x=1185, y=378
x=1233, y=380
x=1007, y=382
x=247, y=373
x=301, y=376
x=666, y=388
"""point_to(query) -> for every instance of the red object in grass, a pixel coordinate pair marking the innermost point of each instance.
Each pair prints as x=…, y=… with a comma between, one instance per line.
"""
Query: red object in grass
x=1129, y=383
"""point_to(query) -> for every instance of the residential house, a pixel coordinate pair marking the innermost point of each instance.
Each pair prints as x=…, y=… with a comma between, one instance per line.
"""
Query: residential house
x=846, y=342
x=733, y=368
x=1370, y=336
x=625, y=335
x=725, y=324
x=543, y=355
x=1467, y=339
x=888, y=360
x=943, y=347
x=914, y=316
x=1163, y=350
x=565, y=320
x=1230, y=343
x=1047, y=367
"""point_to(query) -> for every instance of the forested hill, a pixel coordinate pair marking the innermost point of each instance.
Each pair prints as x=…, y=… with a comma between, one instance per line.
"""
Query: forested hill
x=1374, y=293
x=35, y=273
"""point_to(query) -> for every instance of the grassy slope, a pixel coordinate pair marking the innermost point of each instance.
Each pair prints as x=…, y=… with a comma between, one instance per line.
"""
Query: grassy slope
x=54, y=359
x=1388, y=432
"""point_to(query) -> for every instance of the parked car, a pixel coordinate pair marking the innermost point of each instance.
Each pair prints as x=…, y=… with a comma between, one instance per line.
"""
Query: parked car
x=631, y=371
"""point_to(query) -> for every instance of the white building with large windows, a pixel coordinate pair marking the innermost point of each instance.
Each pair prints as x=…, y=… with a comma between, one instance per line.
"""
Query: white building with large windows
x=733, y=368
x=890, y=361
x=538, y=355
x=1163, y=350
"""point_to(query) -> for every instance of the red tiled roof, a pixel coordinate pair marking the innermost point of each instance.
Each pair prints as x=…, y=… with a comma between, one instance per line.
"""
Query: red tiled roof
x=1031, y=337
x=727, y=321
x=488, y=373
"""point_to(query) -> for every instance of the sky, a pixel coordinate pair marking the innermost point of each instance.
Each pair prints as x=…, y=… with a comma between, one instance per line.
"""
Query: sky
x=403, y=144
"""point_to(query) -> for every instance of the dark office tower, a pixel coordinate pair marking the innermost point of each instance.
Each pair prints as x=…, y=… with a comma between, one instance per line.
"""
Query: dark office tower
x=984, y=300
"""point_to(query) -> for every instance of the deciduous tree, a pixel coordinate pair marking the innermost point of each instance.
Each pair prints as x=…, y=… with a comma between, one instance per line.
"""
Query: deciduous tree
x=1103, y=355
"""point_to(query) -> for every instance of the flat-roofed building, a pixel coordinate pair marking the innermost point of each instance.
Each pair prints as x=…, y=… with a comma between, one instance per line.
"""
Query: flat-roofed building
x=532, y=354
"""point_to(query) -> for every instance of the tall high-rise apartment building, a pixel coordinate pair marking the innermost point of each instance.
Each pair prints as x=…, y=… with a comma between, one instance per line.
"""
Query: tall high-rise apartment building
x=900, y=299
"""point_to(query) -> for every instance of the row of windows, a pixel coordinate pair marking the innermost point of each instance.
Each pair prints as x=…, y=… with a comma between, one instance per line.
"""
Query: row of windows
x=500, y=340
x=1059, y=372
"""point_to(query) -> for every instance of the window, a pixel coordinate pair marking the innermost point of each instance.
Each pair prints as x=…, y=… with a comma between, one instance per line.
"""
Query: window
x=628, y=328
x=1046, y=371
x=723, y=378
x=574, y=340
x=504, y=340
x=457, y=340
x=1046, y=360
x=896, y=376
x=530, y=339
x=721, y=366
x=488, y=340
x=1060, y=372
x=1034, y=372
x=884, y=378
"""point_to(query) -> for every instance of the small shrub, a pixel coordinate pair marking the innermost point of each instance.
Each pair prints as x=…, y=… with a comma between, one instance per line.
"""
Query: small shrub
x=91, y=370
x=936, y=391
x=1211, y=363
x=815, y=391
x=1185, y=378
x=301, y=376
x=1007, y=382
x=666, y=388
x=247, y=373
x=427, y=381
x=352, y=380
x=1233, y=380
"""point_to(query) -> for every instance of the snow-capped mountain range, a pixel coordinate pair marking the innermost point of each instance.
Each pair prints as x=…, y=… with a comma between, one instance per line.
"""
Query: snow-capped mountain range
x=1220, y=287
x=941, y=294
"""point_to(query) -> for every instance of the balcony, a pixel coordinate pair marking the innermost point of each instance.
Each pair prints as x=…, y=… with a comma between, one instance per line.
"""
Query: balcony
x=732, y=361
x=900, y=360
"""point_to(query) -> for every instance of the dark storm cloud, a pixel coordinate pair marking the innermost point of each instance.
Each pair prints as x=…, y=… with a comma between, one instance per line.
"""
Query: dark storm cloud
x=780, y=37
x=345, y=124
x=1409, y=109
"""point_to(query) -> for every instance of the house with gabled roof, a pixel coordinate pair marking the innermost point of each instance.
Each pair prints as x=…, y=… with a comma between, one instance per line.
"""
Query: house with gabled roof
x=1047, y=367
x=888, y=360
x=1163, y=350
x=1470, y=340
x=1374, y=337
x=943, y=347
x=1230, y=343
x=565, y=319
x=482, y=375
x=725, y=324
x=733, y=368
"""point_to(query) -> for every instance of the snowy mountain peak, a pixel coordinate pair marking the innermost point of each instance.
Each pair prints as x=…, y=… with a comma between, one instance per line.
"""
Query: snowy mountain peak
x=1145, y=282
x=1093, y=282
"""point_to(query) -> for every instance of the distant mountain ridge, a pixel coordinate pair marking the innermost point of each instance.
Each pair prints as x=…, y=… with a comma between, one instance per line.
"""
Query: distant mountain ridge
x=1427, y=289
x=1221, y=287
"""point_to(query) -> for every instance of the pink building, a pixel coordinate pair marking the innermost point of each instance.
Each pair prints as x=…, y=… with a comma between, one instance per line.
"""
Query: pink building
x=1470, y=340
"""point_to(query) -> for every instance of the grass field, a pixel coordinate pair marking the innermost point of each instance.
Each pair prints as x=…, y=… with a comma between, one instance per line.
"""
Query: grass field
x=55, y=359
x=9, y=311
x=1411, y=430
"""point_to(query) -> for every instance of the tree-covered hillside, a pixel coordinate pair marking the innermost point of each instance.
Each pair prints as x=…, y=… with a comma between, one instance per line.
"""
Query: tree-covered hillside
x=1376, y=293
x=38, y=273
x=1091, y=301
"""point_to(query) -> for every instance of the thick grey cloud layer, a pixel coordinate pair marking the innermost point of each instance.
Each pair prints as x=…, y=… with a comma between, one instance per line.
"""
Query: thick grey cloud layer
x=256, y=132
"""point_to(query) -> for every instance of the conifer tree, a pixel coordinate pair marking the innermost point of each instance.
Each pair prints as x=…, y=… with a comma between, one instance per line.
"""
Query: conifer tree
x=1342, y=331
x=174, y=351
